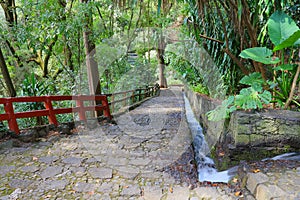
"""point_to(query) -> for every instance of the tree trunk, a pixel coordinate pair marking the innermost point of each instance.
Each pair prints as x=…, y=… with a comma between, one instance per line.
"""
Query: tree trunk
x=6, y=76
x=161, y=63
x=91, y=64
x=9, y=9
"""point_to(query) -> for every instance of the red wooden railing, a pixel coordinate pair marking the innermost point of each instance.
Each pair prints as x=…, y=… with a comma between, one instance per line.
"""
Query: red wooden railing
x=51, y=112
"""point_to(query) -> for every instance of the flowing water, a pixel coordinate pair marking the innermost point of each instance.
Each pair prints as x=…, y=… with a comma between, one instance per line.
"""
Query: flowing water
x=205, y=165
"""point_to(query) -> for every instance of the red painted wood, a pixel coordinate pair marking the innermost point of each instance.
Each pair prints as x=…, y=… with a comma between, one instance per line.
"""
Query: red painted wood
x=12, y=121
x=51, y=112
x=51, y=116
x=34, y=113
x=4, y=117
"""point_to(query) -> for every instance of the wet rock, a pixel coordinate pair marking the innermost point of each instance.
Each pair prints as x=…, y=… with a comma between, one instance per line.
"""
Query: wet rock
x=42, y=132
x=28, y=136
x=53, y=138
x=92, y=123
x=65, y=129
x=2, y=134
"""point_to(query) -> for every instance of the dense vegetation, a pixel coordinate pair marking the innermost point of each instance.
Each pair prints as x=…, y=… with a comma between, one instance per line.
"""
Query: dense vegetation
x=66, y=47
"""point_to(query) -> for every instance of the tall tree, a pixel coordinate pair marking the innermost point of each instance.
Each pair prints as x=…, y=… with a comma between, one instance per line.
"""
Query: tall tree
x=160, y=53
x=6, y=76
x=163, y=9
x=90, y=51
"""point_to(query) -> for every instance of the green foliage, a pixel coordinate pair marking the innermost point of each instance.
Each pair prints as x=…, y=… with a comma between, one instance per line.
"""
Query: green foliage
x=200, y=89
x=260, y=54
x=283, y=83
x=222, y=111
x=292, y=40
x=186, y=71
x=252, y=97
x=284, y=33
x=3, y=128
x=281, y=27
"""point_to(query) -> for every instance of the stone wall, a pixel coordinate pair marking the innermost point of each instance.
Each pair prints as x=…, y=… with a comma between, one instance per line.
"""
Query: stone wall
x=267, y=127
x=201, y=104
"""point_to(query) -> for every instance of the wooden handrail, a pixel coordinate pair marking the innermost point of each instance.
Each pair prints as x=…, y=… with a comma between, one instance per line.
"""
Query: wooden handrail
x=49, y=111
x=128, y=95
x=11, y=116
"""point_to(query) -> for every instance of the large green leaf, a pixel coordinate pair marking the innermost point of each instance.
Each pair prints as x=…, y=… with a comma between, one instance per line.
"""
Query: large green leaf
x=260, y=54
x=287, y=67
x=294, y=39
x=251, y=99
x=222, y=111
x=248, y=99
x=252, y=79
x=255, y=80
x=265, y=97
x=281, y=27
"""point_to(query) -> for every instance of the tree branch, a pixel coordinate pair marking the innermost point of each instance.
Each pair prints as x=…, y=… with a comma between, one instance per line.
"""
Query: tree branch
x=48, y=55
x=101, y=17
x=237, y=61
x=212, y=39
x=292, y=88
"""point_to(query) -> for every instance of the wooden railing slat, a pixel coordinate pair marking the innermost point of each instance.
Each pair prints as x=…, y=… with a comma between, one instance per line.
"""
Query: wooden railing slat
x=80, y=108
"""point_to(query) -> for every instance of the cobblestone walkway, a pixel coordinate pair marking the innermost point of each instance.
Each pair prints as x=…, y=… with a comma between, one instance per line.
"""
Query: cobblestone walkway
x=124, y=161
x=131, y=160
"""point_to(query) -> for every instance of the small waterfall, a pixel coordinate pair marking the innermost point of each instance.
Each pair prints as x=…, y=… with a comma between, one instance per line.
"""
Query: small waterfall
x=205, y=165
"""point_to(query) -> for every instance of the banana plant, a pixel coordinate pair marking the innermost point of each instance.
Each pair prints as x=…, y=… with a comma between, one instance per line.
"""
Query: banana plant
x=285, y=35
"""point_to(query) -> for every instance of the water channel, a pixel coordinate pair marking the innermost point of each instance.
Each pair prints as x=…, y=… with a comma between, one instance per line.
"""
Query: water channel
x=205, y=164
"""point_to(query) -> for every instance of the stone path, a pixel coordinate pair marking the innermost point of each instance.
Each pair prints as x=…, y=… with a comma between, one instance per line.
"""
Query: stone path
x=131, y=160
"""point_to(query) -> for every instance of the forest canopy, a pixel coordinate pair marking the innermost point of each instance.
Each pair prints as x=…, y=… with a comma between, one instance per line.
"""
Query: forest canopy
x=48, y=46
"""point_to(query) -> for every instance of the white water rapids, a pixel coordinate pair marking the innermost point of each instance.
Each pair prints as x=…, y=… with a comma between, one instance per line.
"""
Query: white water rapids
x=205, y=165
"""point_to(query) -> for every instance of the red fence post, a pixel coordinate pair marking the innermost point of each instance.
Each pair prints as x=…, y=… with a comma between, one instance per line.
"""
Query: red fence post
x=81, y=112
x=12, y=122
x=106, y=110
x=49, y=107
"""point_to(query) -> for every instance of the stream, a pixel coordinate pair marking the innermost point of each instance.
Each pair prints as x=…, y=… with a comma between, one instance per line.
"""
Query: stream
x=205, y=165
